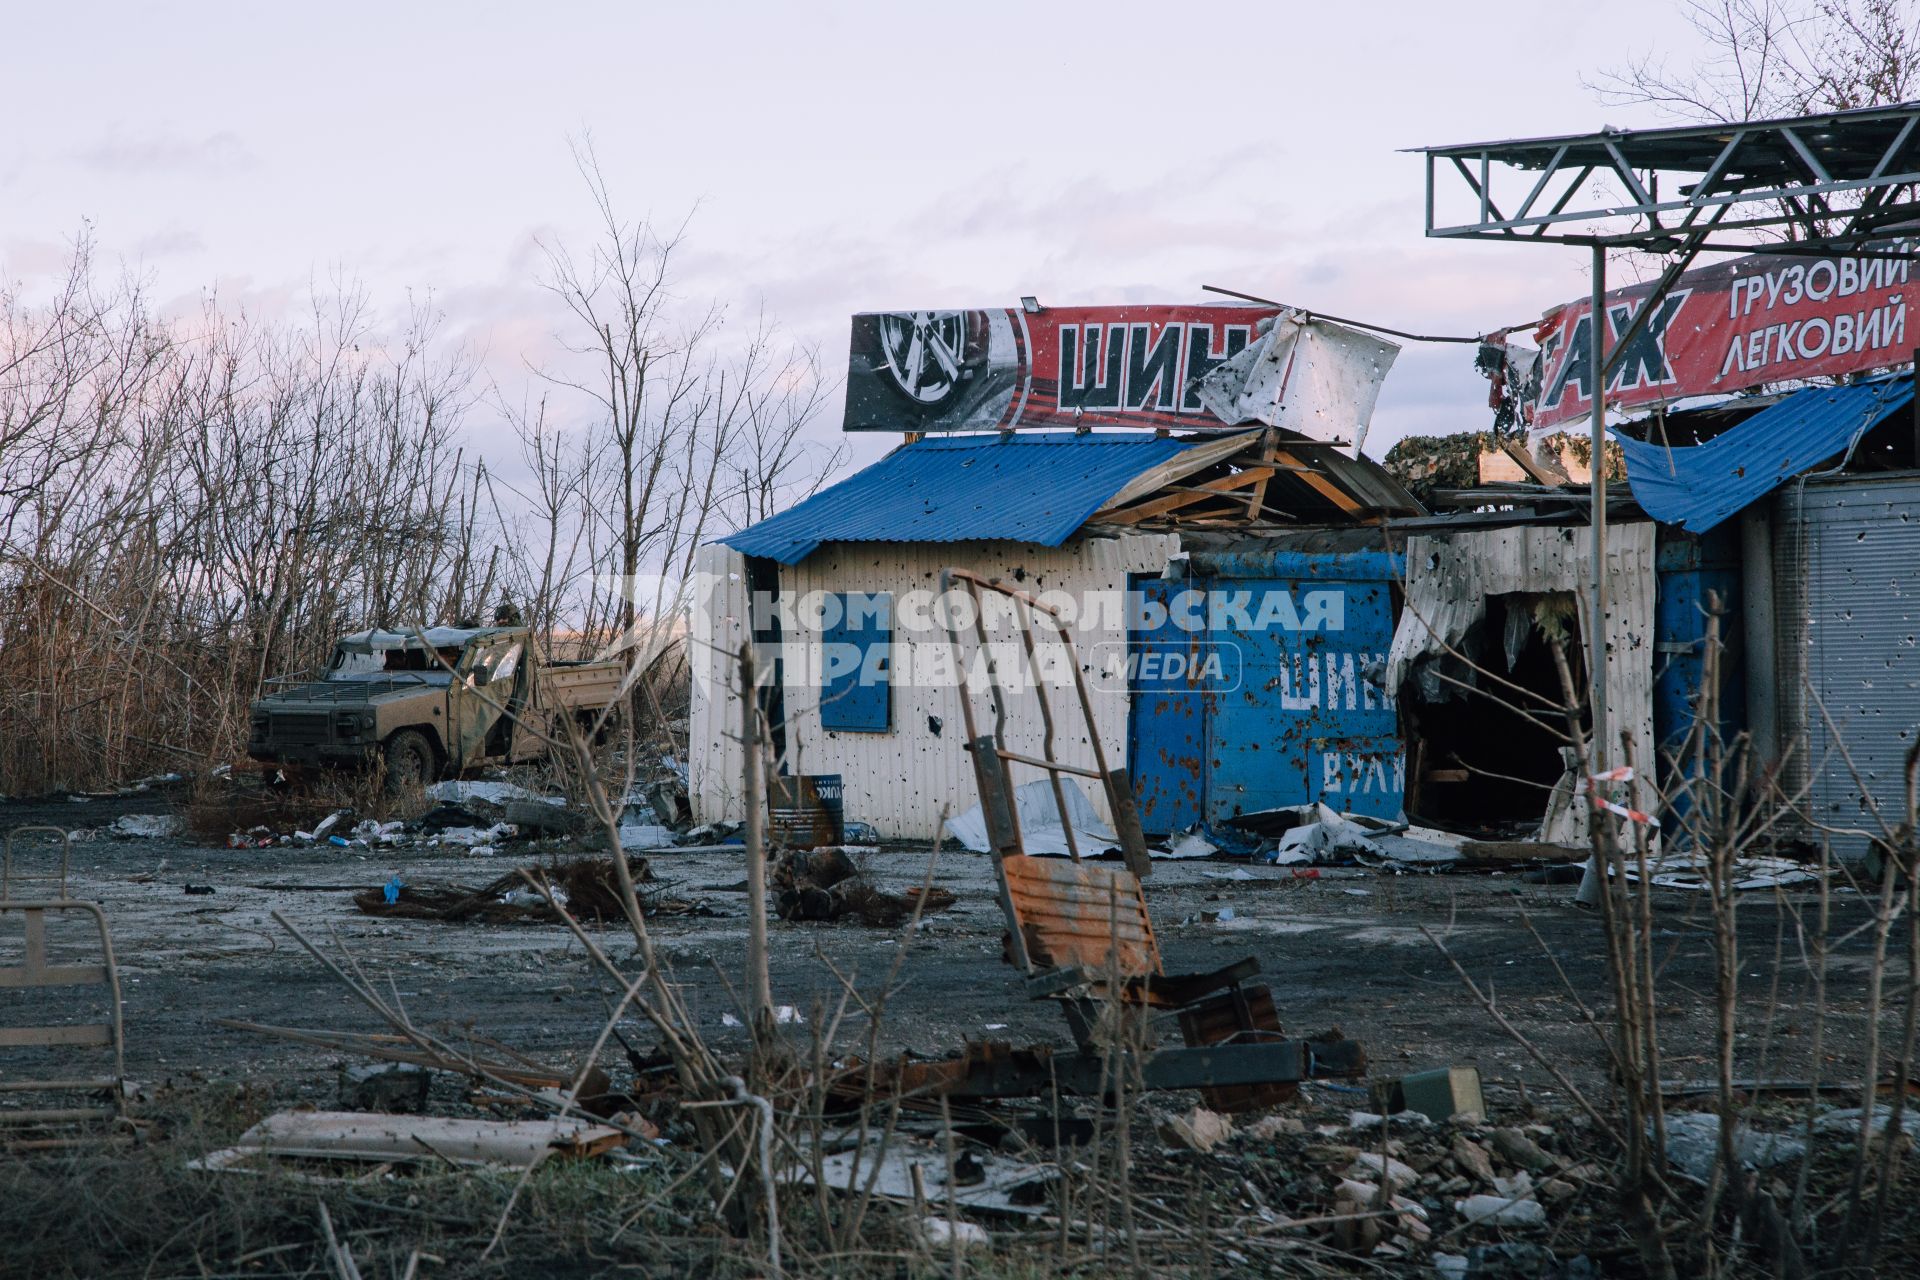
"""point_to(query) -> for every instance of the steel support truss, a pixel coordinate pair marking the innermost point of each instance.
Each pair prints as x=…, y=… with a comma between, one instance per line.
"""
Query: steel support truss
x=1837, y=186
x=1834, y=183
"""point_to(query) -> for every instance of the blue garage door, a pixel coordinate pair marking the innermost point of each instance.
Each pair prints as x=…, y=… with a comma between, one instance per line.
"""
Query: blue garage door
x=1288, y=706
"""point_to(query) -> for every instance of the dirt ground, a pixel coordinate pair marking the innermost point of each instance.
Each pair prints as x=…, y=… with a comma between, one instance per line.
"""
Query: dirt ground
x=1350, y=952
x=1346, y=952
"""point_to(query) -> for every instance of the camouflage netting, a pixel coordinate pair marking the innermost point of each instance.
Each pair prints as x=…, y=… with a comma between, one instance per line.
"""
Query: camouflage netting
x=1426, y=463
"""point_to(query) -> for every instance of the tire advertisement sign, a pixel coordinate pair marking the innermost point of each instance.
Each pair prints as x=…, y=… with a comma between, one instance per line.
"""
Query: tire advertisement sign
x=1130, y=366
x=1732, y=326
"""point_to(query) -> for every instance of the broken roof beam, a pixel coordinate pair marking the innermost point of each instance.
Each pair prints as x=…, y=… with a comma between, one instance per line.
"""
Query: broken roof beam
x=1187, y=495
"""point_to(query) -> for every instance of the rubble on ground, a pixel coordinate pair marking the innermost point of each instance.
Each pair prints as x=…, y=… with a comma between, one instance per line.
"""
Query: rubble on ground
x=825, y=884
x=587, y=888
x=145, y=826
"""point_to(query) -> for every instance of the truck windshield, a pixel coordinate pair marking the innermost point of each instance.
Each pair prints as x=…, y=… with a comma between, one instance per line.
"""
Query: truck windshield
x=413, y=666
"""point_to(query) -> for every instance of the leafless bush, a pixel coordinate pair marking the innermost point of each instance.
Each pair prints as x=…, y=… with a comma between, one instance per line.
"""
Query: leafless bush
x=1721, y=804
x=187, y=508
x=1780, y=58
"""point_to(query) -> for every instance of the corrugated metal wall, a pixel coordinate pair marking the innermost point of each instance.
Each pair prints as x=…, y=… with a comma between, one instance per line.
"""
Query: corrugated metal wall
x=713, y=729
x=900, y=781
x=1847, y=610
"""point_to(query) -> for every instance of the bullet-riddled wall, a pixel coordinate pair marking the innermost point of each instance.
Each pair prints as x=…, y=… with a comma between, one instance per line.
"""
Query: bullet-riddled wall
x=900, y=779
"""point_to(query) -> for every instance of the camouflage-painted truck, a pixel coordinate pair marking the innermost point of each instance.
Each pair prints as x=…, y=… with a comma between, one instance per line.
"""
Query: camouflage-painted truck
x=422, y=705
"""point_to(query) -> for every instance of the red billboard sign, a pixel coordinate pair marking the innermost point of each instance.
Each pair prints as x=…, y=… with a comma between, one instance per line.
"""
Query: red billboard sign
x=1131, y=366
x=1732, y=326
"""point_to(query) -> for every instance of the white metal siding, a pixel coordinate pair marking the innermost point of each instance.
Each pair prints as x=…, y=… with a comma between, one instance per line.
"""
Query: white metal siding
x=900, y=781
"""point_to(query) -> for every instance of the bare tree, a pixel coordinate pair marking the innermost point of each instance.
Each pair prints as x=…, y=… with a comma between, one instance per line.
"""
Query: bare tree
x=1779, y=58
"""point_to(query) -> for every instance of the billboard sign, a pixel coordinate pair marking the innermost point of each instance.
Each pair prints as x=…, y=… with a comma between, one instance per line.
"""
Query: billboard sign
x=1730, y=327
x=1124, y=366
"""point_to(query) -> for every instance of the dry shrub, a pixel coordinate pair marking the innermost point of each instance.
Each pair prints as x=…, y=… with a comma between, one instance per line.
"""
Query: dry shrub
x=217, y=807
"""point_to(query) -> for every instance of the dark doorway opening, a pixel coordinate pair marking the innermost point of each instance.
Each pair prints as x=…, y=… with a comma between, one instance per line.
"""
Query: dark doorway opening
x=1483, y=753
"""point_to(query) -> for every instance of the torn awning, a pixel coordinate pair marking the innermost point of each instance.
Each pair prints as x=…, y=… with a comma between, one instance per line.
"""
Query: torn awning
x=1700, y=486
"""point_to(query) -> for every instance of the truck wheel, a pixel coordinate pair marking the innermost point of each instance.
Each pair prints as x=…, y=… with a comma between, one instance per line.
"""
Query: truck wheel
x=410, y=762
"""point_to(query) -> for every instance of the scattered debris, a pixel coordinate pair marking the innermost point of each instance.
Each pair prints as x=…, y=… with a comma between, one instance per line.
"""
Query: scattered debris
x=669, y=802
x=1322, y=835
x=546, y=815
x=1521, y=1151
x=783, y=1016
x=1188, y=844
x=824, y=884
x=483, y=1058
x=804, y=811
x=1693, y=1145
x=395, y=1087
x=647, y=836
x=384, y=1139
x=145, y=826
x=1518, y=853
x=1472, y=1158
x=1198, y=1130
x=1687, y=869
x=910, y=1171
x=1501, y=1211
x=589, y=888
x=1437, y=1095
x=939, y=1233
x=1848, y=1119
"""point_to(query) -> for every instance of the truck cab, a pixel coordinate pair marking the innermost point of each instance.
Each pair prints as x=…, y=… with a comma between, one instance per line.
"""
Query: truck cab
x=422, y=704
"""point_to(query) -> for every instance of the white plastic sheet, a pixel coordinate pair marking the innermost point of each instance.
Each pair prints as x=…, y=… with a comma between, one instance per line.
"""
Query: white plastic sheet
x=1040, y=829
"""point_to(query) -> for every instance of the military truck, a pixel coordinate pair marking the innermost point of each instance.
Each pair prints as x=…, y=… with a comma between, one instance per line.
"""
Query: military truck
x=422, y=705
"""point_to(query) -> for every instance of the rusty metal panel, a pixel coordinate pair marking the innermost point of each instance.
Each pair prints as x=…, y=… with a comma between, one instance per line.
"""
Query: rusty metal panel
x=1086, y=915
x=1244, y=1015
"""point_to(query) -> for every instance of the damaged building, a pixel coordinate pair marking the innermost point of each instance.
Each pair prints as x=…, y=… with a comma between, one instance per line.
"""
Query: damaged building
x=1212, y=717
x=1235, y=591
x=1269, y=619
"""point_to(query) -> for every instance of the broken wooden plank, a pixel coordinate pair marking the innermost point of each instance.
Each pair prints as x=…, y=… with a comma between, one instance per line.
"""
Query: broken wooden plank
x=1179, y=467
x=1502, y=852
x=1325, y=487
x=1178, y=496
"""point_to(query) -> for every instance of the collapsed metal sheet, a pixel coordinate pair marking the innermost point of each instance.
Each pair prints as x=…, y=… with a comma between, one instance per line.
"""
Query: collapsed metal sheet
x=1700, y=486
x=1306, y=375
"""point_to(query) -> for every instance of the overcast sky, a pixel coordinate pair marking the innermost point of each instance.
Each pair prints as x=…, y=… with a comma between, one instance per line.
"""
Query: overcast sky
x=834, y=157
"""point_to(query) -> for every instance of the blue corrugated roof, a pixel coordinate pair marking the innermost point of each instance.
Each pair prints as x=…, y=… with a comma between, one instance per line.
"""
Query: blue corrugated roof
x=1698, y=486
x=1031, y=487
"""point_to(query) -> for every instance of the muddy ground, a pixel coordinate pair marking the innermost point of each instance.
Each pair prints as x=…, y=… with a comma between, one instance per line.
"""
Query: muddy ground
x=1340, y=952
